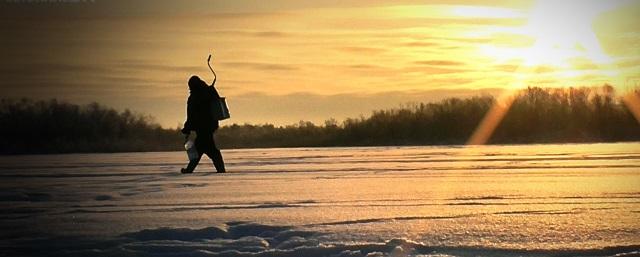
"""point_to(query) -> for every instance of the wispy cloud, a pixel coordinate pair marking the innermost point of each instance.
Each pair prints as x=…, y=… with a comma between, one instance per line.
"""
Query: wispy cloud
x=440, y=63
x=260, y=66
x=252, y=33
x=362, y=49
x=420, y=44
x=138, y=65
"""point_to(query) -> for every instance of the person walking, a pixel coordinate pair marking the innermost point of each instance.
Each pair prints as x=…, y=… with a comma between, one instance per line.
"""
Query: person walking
x=201, y=120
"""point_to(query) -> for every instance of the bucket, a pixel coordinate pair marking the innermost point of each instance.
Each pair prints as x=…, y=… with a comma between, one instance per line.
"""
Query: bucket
x=192, y=153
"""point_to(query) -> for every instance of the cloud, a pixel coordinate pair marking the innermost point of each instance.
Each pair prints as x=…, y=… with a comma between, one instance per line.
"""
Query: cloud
x=628, y=62
x=432, y=70
x=362, y=49
x=140, y=65
x=365, y=66
x=584, y=64
x=544, y=69
x=420, y=44
x=37, y=67
x=270, y=34
x=122, y=77
x=261, y=66
x=440, y=63
x=506, y=67
x=250, y=33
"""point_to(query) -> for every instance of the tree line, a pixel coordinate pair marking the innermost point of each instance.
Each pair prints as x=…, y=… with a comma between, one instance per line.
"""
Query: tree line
x=53, y=126
x=536, y=115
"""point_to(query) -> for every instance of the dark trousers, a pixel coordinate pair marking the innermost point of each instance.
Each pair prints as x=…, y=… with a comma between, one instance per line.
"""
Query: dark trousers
x=205, y=144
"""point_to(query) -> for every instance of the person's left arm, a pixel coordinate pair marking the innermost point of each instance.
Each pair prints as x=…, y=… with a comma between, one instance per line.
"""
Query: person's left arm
x=188, y=126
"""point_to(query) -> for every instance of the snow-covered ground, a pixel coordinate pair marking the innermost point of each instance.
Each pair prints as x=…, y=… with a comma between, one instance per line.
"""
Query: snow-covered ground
x=530, y=200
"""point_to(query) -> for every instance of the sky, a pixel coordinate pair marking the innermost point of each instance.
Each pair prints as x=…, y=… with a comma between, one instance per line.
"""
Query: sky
x=283, y=61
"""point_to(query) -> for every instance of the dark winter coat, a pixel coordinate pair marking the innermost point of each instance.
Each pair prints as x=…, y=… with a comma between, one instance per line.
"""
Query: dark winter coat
x=199, y=116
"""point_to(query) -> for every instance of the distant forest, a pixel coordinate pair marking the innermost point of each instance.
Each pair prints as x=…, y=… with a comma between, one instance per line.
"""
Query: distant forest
x=59, y=127
x=537, y=115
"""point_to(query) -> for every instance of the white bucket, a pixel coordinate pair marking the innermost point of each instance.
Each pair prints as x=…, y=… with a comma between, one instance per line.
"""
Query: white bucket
x=192, y=153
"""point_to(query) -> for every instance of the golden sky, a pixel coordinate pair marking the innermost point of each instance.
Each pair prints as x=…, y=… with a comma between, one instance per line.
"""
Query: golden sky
x=283, y=61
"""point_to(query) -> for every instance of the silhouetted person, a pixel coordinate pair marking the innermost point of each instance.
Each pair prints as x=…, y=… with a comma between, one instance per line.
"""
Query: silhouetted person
x=200, y=120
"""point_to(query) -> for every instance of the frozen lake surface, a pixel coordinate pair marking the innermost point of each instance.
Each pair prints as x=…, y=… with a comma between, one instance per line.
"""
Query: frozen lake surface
x=529, y=200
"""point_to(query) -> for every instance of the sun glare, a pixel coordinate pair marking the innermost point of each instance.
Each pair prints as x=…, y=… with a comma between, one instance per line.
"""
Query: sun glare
x=563, y=33
x=562, y=30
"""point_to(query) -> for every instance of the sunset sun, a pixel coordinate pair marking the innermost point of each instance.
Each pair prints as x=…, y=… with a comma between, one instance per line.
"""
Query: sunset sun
x=561, y=34
x=563, y=43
